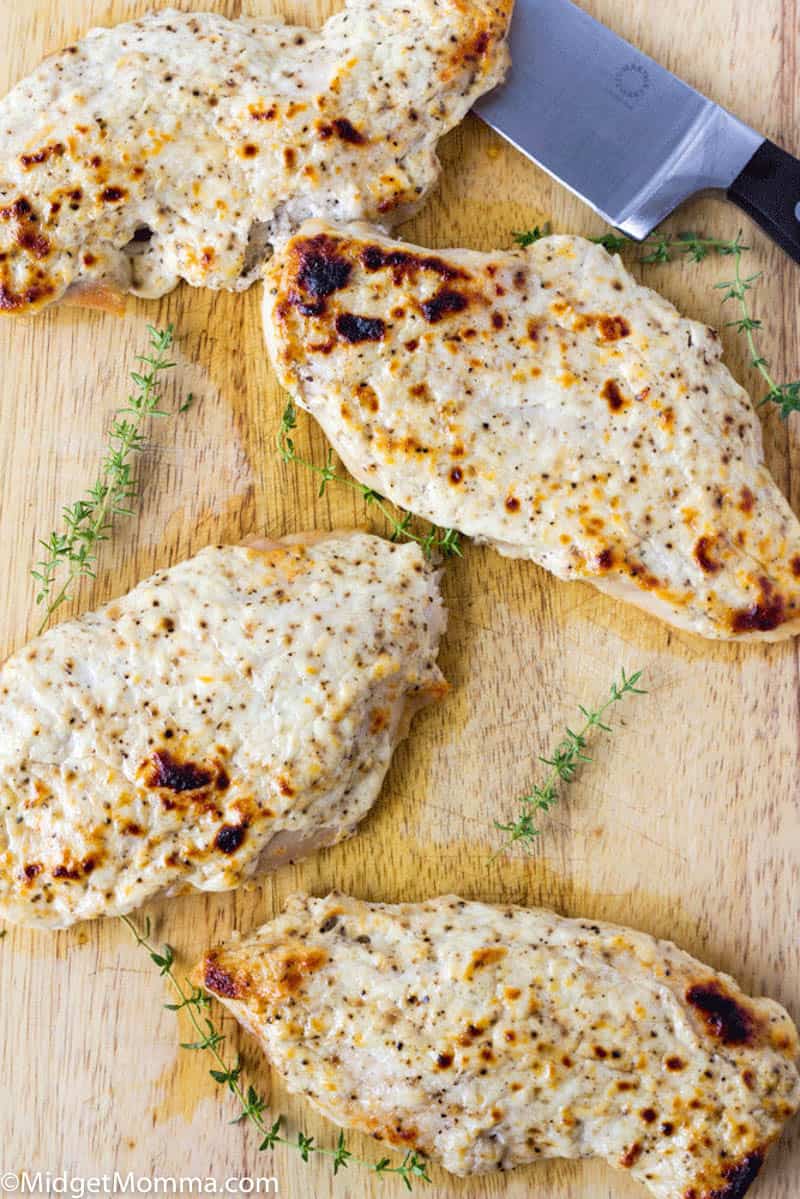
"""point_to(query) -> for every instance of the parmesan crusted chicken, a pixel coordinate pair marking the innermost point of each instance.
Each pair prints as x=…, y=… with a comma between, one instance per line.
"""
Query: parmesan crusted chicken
x=228, y=715
x=491, y=1037
x=544, y=402
x=181, y=145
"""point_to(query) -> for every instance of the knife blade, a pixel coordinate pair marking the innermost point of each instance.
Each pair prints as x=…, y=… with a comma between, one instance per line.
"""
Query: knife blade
x=626, y=135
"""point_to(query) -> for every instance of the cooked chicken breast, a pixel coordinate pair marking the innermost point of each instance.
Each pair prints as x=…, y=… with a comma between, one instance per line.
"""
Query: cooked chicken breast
x=491, y=1037
x=228, y=715
x=544, y=402
x=181, y=145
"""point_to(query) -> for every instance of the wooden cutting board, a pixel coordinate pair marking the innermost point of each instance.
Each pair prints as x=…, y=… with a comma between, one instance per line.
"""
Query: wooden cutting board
x=686, y=822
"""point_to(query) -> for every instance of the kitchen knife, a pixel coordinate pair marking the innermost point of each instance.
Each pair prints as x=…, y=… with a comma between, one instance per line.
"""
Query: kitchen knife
x=625, y=135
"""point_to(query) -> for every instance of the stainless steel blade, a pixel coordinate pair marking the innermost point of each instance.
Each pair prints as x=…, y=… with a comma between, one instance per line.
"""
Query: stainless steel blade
x=617, y=129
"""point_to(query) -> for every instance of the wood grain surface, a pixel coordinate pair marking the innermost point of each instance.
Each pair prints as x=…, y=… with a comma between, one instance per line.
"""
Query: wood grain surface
x=686, y=823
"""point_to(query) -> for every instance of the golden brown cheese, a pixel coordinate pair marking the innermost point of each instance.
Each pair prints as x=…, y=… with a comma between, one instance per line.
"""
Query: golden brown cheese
x=181, y=145
x=226, y=716
x=492, y=1037
x=544, y=402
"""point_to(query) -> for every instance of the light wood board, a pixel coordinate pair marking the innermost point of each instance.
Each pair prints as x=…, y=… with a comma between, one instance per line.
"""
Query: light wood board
x=686, y=823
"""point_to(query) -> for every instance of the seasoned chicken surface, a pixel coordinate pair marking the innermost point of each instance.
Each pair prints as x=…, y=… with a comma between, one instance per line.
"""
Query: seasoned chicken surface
x=181, y=145
x=228, y=715
x=542, y=401
x=492, y=1037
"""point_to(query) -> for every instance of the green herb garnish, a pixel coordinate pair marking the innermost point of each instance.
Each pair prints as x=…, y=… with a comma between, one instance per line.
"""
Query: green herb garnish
x=569, y=754
x=528, y=237
x=88, y=522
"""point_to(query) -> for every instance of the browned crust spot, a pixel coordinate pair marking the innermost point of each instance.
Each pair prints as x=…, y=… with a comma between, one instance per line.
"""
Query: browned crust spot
x=354, y=329
x=446, y=302
x=631, y=1156
x=218, y=980
x=393, y=1134
x=12, y=301
x=292, y=966
x=345, y=130
x=489, y=955
x=173, y=775
x=605, y=559
x=72, y=871
x=304, y=307
x=475, y=48
x=612, y=328
x=35, y=243
x=764, y=614
x=612, y=394
x=739, y=1176
x=230, y=837
x=321, y=269
x=703, y=553
x=367, y=397
x=747, y=501
x=404, y=264
x=724, y=1016
x=55, y=150
x=18, y=210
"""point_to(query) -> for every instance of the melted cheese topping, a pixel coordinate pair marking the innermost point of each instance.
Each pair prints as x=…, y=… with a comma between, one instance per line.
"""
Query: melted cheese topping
x=227, y=716
x=491, y=1037
x=544, y=402
x=180, y=145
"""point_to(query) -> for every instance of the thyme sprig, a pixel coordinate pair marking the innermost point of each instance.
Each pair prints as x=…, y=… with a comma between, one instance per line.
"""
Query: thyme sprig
x=444, y=541
x=89, y=521
x=566, y=758
x=696, y=248
x=194, y=1002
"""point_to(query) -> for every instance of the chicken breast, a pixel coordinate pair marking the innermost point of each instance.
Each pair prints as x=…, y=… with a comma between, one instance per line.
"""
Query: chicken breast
x=544, y=402
x=229, y=714
x=492, y=1037
x=181, y=145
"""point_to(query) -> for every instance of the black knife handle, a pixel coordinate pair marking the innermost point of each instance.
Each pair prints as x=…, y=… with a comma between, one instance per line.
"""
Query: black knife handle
x=768, y=189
